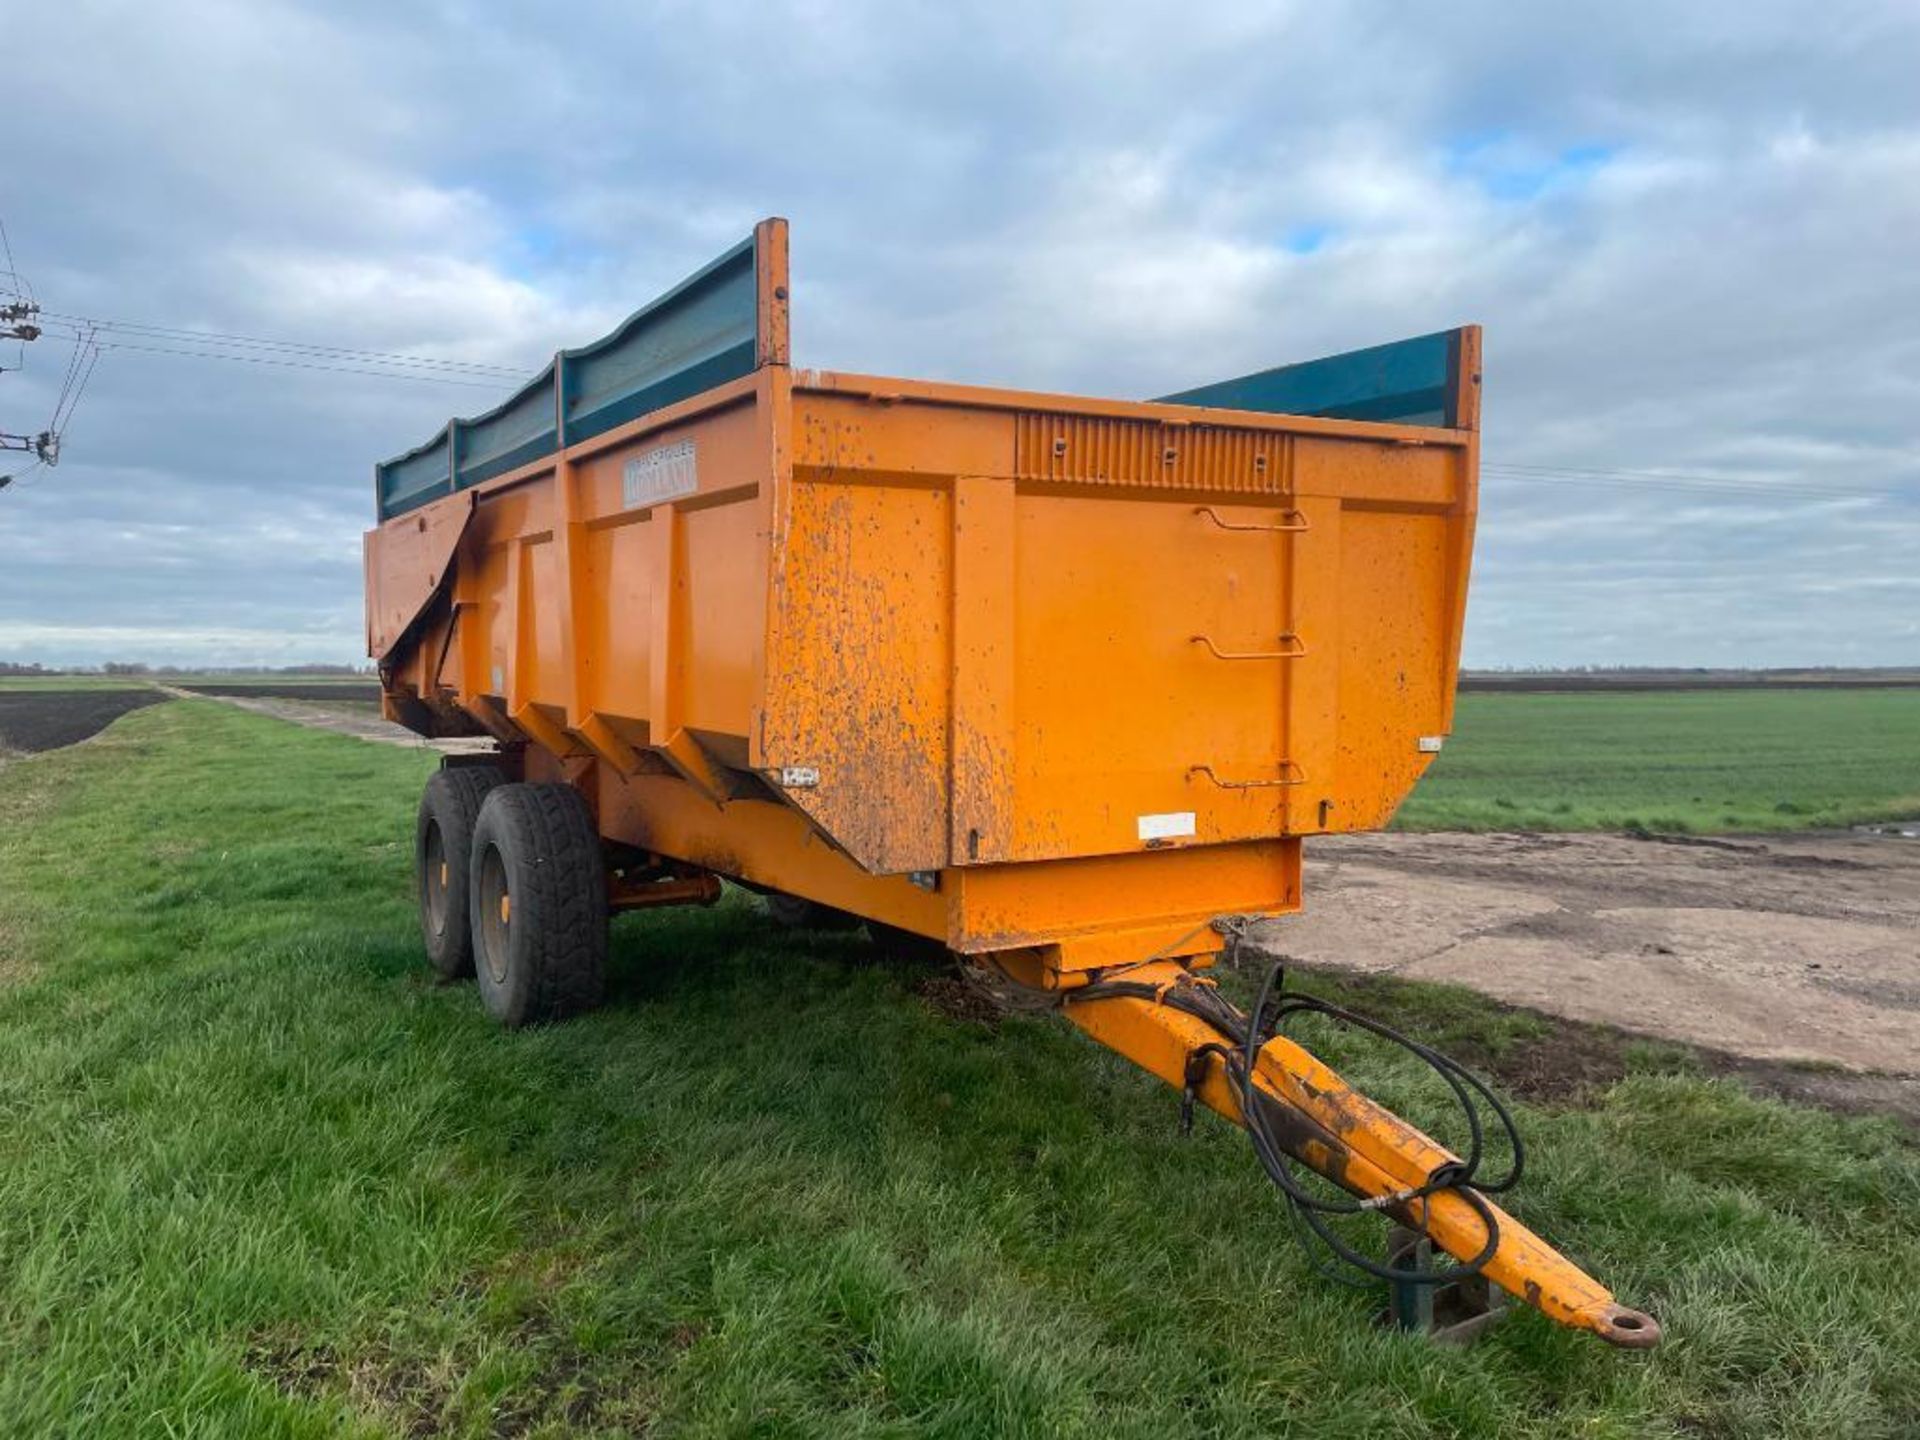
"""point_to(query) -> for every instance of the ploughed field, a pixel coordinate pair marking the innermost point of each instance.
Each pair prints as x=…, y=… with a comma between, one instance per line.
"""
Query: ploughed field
x=36, y=718
x=260, y=1176
x=367, y=691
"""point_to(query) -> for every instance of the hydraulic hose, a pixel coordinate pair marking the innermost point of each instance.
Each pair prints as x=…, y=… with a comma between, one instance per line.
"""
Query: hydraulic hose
x=1238, y=1051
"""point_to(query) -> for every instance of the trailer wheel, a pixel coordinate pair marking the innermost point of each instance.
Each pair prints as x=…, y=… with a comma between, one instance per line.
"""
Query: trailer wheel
x=442, y=842
x=793, y=913
x=538, y=896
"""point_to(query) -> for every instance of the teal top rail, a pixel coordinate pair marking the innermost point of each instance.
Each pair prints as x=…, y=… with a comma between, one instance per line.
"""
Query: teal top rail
x=716, y=325
x=1408, y=382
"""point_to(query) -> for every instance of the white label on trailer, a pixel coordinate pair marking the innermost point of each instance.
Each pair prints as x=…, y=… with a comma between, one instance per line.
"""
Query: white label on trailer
x=663, y=474
x=1430, y=744
x=799, y=777
x=1176, y=825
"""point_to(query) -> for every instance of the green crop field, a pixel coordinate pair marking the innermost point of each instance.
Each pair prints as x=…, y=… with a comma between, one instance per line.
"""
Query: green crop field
x=37, y=684
x=260, y=1177
x=1701, y=761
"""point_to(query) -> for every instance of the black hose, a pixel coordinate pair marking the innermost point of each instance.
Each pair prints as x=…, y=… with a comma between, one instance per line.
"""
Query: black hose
x=1244, y=1036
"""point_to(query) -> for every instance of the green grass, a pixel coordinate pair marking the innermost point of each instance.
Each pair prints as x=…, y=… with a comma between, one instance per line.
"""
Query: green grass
x=259, y=1177
x=1699, y=761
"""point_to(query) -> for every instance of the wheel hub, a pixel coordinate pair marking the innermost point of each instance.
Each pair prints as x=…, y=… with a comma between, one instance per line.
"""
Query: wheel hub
x=496, y=914
x=435, y=881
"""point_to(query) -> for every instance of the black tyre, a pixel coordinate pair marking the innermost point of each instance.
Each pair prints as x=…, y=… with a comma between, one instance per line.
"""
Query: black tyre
x=538, y=896
x=797, y=914
x=442, y=842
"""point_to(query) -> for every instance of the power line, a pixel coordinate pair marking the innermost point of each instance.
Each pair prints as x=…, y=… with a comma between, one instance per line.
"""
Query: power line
x=18, y=287
x=17, y=322
x=73, y=368
x=495, y=386
x=224, y=340
x=6, y=243
x=20, y=478
x=86, y=331
x=70, y=397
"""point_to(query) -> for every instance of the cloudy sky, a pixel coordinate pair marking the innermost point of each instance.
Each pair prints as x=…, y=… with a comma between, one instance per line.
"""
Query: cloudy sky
x=1691, y=232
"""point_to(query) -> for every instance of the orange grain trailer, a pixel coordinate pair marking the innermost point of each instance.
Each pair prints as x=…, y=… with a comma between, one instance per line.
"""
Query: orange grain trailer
x=1056, y=684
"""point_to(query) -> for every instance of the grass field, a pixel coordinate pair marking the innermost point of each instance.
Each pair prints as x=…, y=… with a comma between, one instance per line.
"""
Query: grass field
x=259, y=1177
x=37, y=684
x=1701, y=761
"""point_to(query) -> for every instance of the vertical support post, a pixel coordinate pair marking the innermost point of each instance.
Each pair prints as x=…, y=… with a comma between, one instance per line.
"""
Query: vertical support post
x=471, y=635
x=772, y=341
x=982, y=740
x=774, y=406
x=568, y=558
x=1313, y=697
x=1289, y=586
x=569, y=566
x=666, y=736
x=1465, y=381
x=516, y=681
x=663, y=700
x=370, y=573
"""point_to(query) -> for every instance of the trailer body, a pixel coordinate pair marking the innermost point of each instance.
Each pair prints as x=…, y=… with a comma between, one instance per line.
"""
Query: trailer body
x=1017, y=671
x=1055, y=683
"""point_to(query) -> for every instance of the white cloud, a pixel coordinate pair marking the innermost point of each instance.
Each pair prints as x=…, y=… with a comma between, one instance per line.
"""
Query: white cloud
x=1688, y=234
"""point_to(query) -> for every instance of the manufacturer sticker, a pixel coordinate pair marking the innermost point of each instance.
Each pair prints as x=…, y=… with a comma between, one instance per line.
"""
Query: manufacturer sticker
x=799, y=777
x=663, y=474
x=1175, y=825
x=1430, y=744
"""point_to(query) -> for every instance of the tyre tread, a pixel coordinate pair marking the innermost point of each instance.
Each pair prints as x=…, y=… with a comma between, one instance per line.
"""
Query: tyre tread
x=453, y=797
x=561, y=894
